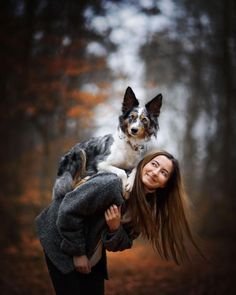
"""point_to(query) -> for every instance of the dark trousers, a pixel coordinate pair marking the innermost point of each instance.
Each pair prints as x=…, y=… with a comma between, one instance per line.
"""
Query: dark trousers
x=76, y=283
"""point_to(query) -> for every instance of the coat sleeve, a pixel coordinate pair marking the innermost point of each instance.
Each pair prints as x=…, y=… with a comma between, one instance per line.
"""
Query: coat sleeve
x=98, y=193
x=120, y=239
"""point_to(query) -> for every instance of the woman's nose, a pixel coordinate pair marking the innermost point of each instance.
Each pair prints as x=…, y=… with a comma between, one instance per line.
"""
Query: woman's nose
x=156, y=171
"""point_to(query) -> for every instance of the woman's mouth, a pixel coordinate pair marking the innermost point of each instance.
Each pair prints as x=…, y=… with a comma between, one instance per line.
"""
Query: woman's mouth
x=151, y=178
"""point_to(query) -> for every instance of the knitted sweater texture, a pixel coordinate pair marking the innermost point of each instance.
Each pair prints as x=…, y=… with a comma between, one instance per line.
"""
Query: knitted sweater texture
x=74, y=222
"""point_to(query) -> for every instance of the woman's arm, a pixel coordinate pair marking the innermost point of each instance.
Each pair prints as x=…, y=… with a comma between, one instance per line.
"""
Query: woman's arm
x=117, y=237
x=119, y=240
x=98, y=193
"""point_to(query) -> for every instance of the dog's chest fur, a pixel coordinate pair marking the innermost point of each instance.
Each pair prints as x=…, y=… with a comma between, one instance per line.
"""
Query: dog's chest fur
x=124, y=154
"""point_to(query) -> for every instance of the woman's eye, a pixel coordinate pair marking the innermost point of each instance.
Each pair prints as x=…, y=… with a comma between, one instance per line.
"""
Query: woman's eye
x=154, y=164
x=164, y=173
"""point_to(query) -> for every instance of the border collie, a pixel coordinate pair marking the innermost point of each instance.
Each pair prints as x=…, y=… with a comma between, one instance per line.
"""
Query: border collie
x=116, y=153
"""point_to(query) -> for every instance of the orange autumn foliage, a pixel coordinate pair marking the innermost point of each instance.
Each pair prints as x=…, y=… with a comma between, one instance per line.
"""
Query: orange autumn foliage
x=78, y=112
x=85, y=101
x=87, y=98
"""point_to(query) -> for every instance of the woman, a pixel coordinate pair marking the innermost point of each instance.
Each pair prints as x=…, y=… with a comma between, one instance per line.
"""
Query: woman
x=75, y=230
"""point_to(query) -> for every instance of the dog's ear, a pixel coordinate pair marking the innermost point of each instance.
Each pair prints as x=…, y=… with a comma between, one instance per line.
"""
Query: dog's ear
x=153, y=107
x=129, y=101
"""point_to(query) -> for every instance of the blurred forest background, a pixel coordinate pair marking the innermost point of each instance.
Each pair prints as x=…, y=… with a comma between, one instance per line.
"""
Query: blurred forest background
x=64, y=68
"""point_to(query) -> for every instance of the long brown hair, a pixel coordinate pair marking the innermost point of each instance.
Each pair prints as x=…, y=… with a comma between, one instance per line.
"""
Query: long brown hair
x=161, y=217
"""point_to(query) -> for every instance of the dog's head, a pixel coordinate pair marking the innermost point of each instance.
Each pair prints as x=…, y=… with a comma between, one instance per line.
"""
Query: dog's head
x=137, y=122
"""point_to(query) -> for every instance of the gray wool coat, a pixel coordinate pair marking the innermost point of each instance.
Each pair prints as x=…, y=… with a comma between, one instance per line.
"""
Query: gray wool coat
x=74, y=222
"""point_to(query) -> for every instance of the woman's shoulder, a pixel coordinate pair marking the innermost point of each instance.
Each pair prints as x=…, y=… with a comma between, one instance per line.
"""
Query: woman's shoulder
x=105, y=178
x=101, y=185
x=98, y=192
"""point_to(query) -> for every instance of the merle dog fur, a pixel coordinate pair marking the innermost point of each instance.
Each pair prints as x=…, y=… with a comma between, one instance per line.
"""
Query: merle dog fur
x=91, y=152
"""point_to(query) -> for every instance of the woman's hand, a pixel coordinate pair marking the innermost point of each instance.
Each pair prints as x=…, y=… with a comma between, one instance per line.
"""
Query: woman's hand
x=113, y=216
x=82, y=264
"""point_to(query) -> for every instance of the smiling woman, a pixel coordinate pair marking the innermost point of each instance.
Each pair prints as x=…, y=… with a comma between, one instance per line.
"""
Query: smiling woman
x=158, y=206
x=77, y=228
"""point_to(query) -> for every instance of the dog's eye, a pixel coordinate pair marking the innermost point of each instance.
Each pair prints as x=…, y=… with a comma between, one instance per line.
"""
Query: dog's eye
x=145, y=121
x=132, y=117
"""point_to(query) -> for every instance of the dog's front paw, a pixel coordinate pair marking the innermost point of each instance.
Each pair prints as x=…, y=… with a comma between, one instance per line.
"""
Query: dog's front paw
x=122, y=175
x=129, y=184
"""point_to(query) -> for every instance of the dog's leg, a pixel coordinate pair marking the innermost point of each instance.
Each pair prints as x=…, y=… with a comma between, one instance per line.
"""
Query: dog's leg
x=71, y=169
x=130, y=181
x=63, y=185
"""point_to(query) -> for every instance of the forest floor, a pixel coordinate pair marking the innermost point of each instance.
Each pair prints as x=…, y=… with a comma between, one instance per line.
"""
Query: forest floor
x=138, y=271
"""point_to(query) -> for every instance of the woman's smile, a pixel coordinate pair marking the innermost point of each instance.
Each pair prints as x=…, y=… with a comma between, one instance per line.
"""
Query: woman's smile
x=153, y=179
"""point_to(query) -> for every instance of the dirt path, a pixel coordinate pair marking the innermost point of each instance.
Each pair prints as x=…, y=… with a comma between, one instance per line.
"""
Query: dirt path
x=141, y=272
x=138, y=271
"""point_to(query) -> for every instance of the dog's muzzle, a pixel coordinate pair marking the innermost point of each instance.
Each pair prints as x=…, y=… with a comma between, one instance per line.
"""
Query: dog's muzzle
x=134, y=131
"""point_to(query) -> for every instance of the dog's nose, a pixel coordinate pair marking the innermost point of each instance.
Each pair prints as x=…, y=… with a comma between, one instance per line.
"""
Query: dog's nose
x=134, y=130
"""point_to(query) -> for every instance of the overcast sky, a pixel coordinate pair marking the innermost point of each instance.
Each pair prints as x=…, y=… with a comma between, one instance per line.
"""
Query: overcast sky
x=130, y=30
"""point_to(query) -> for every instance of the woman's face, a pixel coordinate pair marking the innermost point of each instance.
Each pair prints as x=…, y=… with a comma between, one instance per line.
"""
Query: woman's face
x=156, y=173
